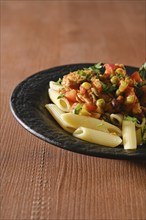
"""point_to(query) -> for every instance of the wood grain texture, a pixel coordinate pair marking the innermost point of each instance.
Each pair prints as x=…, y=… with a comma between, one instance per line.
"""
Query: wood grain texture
x=39, y=180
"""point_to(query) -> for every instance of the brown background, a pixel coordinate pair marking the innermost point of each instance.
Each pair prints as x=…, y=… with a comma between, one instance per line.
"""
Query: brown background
x=39, y=180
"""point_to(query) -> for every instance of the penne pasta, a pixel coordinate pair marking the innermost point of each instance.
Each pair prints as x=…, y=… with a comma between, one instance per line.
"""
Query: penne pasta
x=139, y=136
x=62, y=103
x=56, y=113
x=55, y=86
x=129, y=135
x=76, y=121
x=116, y=119
x=97, y=137
x=142, y=124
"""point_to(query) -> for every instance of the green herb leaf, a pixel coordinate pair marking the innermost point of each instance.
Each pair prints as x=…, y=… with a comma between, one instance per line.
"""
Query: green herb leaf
x=77, y=108
x=140, y=84
x=59, y=81
x=95, y=68
x=113, y=88
x=98, y=65
x=142, y=71
x=88, y=76
x=105, y=87
x=60, y=96
x=129, y=118
x=81, y=72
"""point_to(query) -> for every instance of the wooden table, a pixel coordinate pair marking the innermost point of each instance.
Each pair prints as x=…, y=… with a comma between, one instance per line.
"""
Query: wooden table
x=39, y=180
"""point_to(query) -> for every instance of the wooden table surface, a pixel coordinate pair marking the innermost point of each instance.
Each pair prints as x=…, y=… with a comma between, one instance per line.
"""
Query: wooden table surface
x=39, y=180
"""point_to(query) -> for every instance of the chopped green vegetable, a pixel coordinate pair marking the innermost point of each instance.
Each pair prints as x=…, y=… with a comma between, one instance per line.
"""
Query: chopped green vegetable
x=129, y=118
x=105, y=87
x=59, y=81
x=108, y=88
x=81, y=72
x=96, y=68
x=98, y=65
x=140, y=84
x=84, y=74
x=142, y=71
x=60, y=96
x=88, y=76
x=113, y=88
x=77, y=108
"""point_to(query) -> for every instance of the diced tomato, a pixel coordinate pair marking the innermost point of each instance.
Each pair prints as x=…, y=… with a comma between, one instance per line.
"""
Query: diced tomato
x=136, y=76
x=109, y=69
x=90, y=107
x=71, y=95
x=130, y=91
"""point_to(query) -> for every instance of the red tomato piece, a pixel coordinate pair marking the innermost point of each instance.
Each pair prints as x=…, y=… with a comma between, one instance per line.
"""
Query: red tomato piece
x=136, y=76
x=130, y=91
x=90, y=107
x=71, y=95
x=109, y=69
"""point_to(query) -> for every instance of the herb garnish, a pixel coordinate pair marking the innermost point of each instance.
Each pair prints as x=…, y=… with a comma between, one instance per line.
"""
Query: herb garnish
x=96, y=68
x=105, y=87
x=60, y=96
x=84, y=74
x=81, y=72
x=129, y=118
x=77, y=108
x=59, y=81
x=142, y=71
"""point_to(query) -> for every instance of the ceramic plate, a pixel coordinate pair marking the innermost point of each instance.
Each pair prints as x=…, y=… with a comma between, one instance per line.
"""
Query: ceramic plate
x=28, y=106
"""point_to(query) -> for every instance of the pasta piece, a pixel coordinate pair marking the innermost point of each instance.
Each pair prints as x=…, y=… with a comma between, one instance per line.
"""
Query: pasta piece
x=129, y=135
x=139, y=136
x=97, y=137
x=116, y=119
x=56, y=113
x=142, y=124
x=76, y=121
x=144, y=135
x=55, y=86
x=62, y=103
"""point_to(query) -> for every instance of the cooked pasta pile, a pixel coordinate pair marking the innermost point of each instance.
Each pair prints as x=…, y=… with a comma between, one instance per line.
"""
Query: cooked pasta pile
x=102, y=104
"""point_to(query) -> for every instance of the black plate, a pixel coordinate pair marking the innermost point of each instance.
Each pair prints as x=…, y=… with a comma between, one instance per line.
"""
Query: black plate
x=27, y=104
